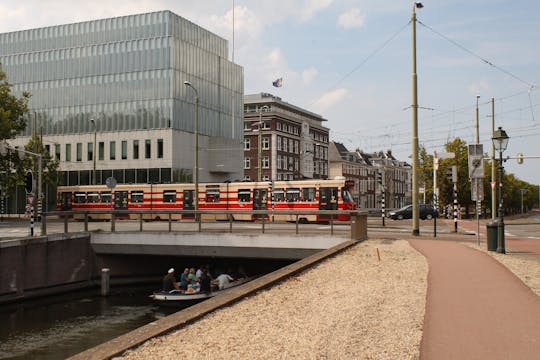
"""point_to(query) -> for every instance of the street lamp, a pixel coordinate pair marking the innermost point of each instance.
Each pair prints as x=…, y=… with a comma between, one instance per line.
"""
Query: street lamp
x=196, y=133
x=259, y=149
x=415, y=213
x=500, y=142
x=94, y=152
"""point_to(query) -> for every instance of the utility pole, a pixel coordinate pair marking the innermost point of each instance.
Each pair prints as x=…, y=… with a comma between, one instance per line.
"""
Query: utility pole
x=415, y=213
x=493, y=170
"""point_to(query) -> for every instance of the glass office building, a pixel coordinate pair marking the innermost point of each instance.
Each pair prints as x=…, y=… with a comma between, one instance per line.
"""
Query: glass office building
x=109, y=98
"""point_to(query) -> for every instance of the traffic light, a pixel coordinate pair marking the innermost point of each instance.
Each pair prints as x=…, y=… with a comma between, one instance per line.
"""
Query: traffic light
x=380, y=178
x=520, y=158
x=28, y=182
x=449, y=174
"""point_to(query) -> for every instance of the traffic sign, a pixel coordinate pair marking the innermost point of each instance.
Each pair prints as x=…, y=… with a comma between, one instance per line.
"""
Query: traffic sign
x=110, y=182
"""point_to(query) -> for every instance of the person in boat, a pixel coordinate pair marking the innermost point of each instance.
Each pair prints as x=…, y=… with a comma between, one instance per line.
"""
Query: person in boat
x=169, y=281
x=205, y=280
x=193, y=281
x=184, y=281
x=223, y=281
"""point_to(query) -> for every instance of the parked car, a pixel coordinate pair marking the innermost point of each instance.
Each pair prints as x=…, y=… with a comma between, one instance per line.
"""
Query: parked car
x=426, y=212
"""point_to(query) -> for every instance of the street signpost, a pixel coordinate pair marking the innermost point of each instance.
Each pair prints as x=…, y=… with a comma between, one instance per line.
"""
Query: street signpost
x=476, y=175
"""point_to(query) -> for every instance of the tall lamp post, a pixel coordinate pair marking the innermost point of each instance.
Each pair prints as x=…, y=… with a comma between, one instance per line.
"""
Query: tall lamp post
x=94, y=154
x=415, y=213
x=500, y=141
x=259, y=148
x=196, y=133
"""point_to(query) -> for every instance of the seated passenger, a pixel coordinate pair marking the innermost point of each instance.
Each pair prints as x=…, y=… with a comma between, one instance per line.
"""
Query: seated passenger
x=223, y=281
x=193, y=279
x=184, y=281
x=169, y=281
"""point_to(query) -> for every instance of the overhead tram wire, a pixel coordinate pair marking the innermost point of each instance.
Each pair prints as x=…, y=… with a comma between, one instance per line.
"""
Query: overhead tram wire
x=373, y=53
x=529, y=85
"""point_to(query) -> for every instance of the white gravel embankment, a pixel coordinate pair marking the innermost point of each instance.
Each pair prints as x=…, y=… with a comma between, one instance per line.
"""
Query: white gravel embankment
x=348, y=307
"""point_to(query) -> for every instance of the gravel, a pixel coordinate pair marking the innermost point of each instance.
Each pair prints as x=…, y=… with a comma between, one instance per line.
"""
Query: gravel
x=350, y=306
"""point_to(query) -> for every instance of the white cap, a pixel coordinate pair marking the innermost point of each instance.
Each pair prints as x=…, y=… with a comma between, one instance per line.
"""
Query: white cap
x=171, y=270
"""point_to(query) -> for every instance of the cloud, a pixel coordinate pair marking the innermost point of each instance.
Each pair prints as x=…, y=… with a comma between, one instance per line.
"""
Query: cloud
x=312, y=7
x=247, y=26
x=480, y=87
x=309, y=74
x=351, y=19
x=329, y=99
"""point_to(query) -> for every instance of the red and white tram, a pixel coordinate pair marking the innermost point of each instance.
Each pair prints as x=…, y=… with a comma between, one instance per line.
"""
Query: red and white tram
x=278, y=195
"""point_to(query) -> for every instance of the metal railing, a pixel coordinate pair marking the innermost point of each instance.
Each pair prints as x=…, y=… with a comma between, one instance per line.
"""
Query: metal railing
x=264, y=217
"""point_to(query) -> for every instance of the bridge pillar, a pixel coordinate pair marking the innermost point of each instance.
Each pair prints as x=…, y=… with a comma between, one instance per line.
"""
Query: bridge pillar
x=358, y=226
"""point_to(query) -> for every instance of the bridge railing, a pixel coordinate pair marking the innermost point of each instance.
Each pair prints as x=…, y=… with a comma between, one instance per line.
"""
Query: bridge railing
x=357, y=218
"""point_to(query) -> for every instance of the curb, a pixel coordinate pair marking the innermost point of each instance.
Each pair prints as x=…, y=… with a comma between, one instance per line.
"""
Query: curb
x=181, y=318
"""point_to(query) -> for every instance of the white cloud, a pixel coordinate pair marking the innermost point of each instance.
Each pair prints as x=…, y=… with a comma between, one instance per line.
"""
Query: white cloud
x=309, y=74
x=351, y=19
x=329, y=99
x=312, y=7
x=247, y=26
x=480, y=87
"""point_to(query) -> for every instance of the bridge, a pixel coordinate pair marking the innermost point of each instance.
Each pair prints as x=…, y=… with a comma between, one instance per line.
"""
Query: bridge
x=70, y=255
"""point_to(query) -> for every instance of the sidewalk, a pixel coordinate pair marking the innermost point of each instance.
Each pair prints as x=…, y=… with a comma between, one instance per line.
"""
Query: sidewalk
x=476, y=308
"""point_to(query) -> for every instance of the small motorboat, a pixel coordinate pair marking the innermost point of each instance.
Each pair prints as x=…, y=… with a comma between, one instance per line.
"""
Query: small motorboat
x=178, y=296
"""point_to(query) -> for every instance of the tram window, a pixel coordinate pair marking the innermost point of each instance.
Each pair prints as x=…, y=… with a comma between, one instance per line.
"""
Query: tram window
x=346, y=195
x=106, y=197
x=308, y=194
x=169, y=196
x=293, y=194
x=92, y=197
x=279, y=195
x=137, y=196
x=212, y=195
x=79, y=198
x=244, y=195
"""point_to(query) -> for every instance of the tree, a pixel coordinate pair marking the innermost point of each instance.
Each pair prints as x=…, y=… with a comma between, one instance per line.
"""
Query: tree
x=12, y=109
x=12, y=121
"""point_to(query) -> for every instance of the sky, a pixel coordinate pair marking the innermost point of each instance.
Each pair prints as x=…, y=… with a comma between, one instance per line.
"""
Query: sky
x=351, y=62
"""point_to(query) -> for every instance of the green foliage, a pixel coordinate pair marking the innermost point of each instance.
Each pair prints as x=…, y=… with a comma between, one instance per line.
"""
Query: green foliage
x=12, y=109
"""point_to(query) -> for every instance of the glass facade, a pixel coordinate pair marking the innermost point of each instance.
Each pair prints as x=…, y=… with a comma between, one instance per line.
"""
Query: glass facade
x=127, y=74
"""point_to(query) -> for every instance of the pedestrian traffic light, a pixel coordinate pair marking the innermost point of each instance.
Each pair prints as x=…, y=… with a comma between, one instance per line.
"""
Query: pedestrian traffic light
x=449, y=174
x=28, y=182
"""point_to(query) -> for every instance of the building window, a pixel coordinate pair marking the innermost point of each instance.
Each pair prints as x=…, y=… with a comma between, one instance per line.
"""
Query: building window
x=266, y=143
x=266, y=162
x=247, y=163
x=160, y=148
x=101, y=150
x=247, y=178
x=68, y=152
x=278, y=126
x=112, y=150
x=79, y=151
x=135, y=149
x=90, y=151
x=147, y=149
x=124, y=149
x=57, y=151
x=247, y=144
x=266, y=178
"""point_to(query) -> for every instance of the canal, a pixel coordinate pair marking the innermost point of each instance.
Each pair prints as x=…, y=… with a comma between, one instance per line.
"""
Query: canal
x=60, y=326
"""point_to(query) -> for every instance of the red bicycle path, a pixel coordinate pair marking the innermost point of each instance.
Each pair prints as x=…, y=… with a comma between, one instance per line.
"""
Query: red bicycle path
x=475, y=307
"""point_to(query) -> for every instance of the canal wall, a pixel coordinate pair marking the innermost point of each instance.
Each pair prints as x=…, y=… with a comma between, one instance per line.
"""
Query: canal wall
x=46, y=265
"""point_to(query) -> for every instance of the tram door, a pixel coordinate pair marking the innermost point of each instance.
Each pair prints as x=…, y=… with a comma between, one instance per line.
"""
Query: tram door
x=120, y=200
x=328, y=200
x=260, y=202
x=188, y=203
x=65, y=199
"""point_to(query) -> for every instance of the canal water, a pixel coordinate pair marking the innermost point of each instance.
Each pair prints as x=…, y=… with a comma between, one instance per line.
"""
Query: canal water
x=60, y=326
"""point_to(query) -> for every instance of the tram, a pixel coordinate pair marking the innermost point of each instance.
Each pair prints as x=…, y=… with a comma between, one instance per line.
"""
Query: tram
x=278, y=196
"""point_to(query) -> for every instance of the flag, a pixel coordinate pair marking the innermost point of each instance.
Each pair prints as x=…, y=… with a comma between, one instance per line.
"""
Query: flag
x=278, y=82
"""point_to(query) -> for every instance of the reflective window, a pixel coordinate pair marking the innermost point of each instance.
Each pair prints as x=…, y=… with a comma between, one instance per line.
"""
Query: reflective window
x=137, y=196
x=112, y=150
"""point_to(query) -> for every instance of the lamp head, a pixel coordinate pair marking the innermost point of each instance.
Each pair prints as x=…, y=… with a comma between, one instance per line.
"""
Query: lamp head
x=418, y=5
x=500, y=139
x=187, y=83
